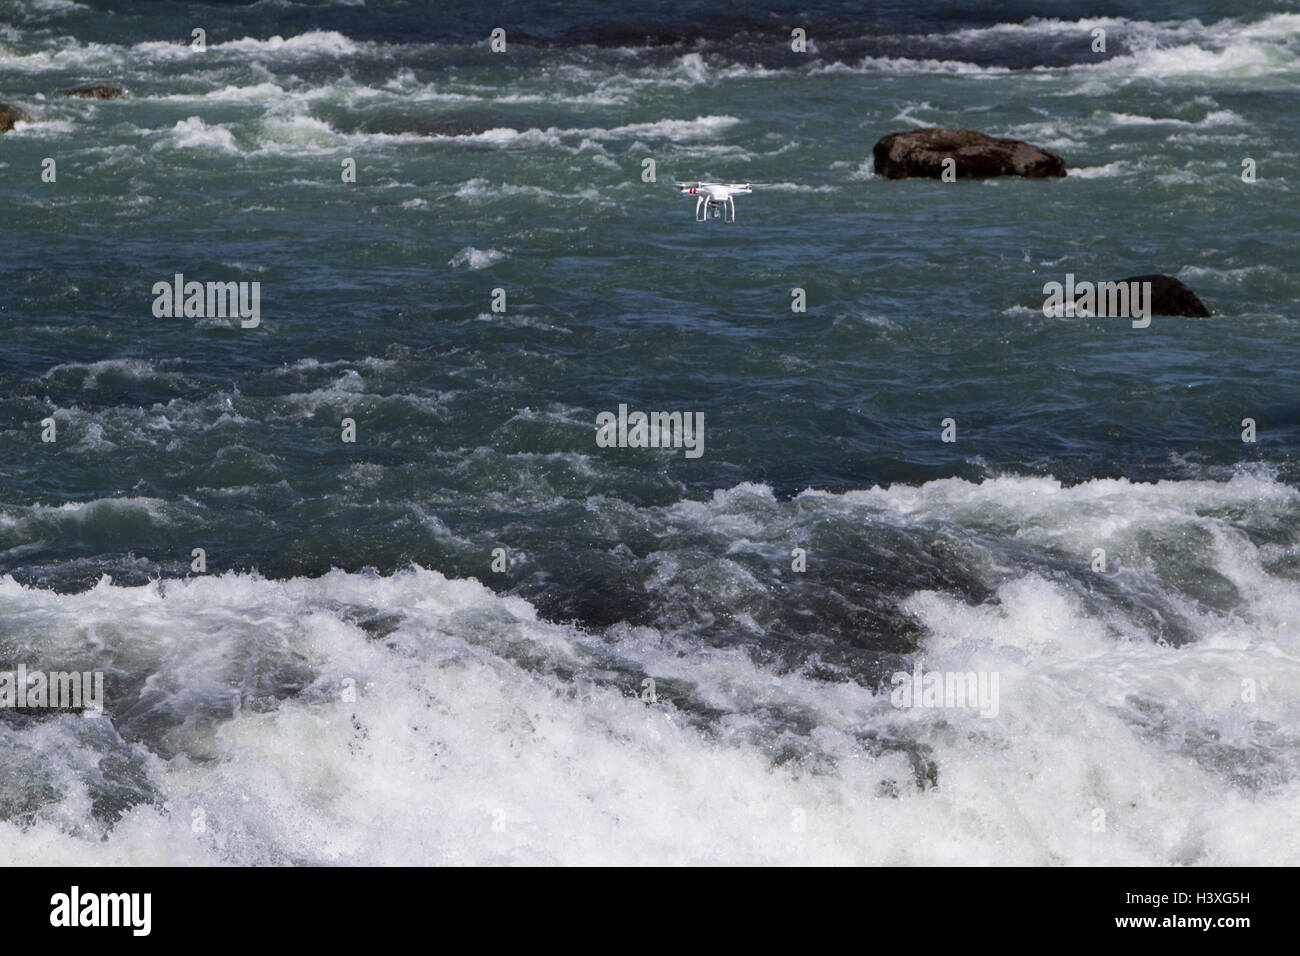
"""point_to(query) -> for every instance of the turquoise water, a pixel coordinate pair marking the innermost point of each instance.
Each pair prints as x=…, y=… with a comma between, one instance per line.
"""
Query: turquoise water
x=371, y=561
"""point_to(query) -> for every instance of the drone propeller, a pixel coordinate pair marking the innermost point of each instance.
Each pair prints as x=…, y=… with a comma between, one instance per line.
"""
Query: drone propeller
x=702, y=184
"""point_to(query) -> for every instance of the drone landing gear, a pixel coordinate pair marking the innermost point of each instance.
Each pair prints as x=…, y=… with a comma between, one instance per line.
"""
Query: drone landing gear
x=724, y=209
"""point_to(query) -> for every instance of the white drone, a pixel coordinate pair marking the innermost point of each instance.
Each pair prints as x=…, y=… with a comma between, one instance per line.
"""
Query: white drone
x=720, y=197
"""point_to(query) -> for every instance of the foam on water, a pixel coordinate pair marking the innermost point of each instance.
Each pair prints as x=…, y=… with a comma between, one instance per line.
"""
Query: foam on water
x=1108, y=171
x=474, y=259
x=1169, y=49
x=194, y=133
x=414, y=718
x=313, y=43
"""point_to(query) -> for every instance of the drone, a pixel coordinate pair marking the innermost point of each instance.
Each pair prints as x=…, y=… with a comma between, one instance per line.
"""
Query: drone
x=719, y=197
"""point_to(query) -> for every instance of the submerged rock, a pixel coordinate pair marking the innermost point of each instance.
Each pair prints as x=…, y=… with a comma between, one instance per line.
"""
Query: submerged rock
x=921, y=153
x=96, y=93
x=10, y=115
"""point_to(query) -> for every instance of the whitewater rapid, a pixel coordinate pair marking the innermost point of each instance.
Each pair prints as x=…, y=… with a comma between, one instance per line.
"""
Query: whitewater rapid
x=357, y=718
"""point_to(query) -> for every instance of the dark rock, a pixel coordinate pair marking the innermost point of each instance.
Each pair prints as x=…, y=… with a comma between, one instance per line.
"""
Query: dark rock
x=96, y=92
x=1171, y=297
x=921, y=152
x=10, y=115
